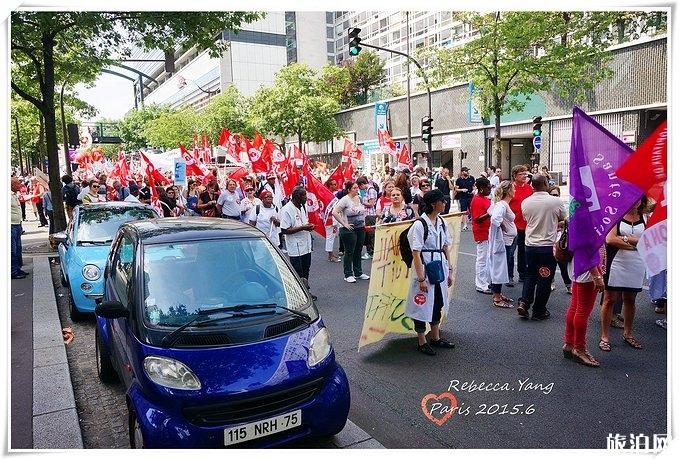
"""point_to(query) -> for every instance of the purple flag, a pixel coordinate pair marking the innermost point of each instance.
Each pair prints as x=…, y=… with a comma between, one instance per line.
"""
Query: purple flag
x=599, y=199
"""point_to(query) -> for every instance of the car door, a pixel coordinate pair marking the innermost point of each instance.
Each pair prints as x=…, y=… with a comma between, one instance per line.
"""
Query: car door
x=118, y=289
x=66, y=249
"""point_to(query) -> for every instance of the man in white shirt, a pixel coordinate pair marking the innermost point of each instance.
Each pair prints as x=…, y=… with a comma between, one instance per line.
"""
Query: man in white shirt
x=543, y=213
x=494, y=178
x=297, y=229
x=134, y=194
x=265, y=217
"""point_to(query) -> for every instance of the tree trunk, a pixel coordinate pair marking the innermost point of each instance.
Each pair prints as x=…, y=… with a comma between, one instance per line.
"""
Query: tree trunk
x=51, y=134
x=21, y=161
x=299, y=140
x=497, y=145
x=41, y=144
x=64, y=132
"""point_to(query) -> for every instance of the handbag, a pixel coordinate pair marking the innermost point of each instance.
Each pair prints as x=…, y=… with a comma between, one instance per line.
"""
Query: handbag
x=561, y=252
x=434, y=272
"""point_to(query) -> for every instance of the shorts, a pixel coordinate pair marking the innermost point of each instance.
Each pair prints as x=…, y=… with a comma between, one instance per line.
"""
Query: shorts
x=464, y=203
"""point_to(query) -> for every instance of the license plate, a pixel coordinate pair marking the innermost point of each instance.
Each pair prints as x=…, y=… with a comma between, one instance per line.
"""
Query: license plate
x=263, y=428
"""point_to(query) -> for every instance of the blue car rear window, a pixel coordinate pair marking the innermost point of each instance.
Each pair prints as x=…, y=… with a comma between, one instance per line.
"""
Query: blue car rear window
x=180, y=278
x=100, y=225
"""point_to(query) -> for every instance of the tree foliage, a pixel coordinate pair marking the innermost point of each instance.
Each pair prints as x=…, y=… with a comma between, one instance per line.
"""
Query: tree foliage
x=228, y=109
x=172, y=128
x=53, y=47
x=296, y=105
x=134, y=125
x=366, y=72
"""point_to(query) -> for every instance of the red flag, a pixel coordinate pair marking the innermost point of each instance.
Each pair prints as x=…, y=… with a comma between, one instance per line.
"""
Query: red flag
x=351, y=152
x=153, y=173
x=338, y=176
x=386, y=141
x=348, y=171
x=191, y=166
x=404, y=159
x=257, y=140
x=651, y=158
x=318, y=199
x=290, y=178
x=238, y=174
x=224, y=138
x=260, y=154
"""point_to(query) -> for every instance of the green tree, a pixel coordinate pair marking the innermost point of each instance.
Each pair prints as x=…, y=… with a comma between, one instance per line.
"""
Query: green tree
x=41, y=41
x=172, y=128
x=133, y=126
x=228, y=109
x=365, y=72
x=296, y=105
x=520, y=53
x=335, y=81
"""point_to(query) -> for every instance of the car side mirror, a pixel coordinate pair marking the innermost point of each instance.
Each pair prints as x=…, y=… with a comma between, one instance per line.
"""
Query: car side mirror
x=111, y=310
x=61, y=237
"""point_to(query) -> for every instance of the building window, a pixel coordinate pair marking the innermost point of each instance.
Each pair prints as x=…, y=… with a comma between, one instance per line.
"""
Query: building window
x=329, y=32
x=331, y=47
x=291, y=36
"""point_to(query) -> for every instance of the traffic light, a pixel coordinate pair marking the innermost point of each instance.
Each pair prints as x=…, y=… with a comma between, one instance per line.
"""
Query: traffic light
x=537, y=126
x=354, y=41
x=426, y=129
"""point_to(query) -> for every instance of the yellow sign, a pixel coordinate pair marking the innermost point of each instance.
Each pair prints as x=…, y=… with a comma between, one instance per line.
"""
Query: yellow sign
x=390, y=280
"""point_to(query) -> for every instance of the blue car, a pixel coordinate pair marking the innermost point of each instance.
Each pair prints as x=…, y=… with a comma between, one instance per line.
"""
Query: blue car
x=84, y=246
x=215, y=339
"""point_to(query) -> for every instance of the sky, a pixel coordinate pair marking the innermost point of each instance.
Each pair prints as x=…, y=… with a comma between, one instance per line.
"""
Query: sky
x=113, y=96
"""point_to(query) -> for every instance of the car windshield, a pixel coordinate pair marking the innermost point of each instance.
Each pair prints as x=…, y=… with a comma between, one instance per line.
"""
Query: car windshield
x=181, y=279
x=100, y=225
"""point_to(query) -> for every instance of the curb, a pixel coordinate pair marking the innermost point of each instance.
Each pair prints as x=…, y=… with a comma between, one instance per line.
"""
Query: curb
x=55, y=419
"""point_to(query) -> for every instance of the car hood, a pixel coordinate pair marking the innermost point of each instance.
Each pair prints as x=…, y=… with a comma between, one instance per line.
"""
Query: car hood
x=95, y=255
x=249, y=367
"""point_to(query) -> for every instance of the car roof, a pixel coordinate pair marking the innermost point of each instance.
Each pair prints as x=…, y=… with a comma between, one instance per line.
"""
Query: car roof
x=176, y=229
x=113, y=205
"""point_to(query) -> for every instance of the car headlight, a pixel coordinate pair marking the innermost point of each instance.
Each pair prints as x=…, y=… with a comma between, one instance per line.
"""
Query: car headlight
x=91, y=272
x=170, y=373
x=320, y=347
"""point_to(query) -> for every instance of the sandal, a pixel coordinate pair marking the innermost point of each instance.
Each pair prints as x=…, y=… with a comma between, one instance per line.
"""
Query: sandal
x=617, y=323
x=501, y=304
x=567, y=352
x=632, y=342
x=506, y=298
x=604, y=345
x=585, y=358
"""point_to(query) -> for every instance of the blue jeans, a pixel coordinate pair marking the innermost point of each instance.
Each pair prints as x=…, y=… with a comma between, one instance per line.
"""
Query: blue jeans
x=17, y=260
x=539, y=276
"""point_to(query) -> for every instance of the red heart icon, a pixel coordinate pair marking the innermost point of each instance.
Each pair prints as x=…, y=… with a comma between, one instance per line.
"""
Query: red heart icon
x=449, y=410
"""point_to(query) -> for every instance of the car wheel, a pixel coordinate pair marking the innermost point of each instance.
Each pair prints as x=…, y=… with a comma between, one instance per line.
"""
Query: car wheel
x=136, y=436
x=64, y=282
x=76, y=316
x=105, y=369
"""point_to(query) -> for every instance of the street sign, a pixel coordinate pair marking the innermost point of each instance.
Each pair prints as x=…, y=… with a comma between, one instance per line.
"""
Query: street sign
x=179, y=172
x=537, y=142
x=398, y=144
x=381, y=116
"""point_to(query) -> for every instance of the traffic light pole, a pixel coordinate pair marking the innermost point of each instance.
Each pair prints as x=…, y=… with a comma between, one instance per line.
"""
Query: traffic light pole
x=426, y=82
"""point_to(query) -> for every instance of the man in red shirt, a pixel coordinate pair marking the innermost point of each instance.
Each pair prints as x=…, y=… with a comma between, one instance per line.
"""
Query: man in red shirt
x=522, y=189
x=480, y=228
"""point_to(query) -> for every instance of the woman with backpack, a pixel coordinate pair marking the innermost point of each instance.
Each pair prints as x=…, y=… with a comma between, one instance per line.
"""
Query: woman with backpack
x=397, y=210
x=427, y=297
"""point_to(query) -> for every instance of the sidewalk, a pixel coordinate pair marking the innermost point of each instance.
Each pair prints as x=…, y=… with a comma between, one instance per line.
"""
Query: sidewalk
x=43, y=405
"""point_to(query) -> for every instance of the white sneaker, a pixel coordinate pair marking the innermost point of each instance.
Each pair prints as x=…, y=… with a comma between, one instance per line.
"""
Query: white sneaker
x=366, y=256
x=350, y=279
x=364, y=276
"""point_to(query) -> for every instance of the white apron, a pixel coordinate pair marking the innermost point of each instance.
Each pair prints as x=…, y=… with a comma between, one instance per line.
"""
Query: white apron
x=420, y=306
x=496, y=245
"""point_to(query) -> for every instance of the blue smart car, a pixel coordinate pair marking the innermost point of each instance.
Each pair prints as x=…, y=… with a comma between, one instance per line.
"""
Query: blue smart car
x=215, y=339
x=84, y=246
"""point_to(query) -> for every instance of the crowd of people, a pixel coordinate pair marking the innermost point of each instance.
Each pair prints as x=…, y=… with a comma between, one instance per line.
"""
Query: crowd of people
x=513, y=222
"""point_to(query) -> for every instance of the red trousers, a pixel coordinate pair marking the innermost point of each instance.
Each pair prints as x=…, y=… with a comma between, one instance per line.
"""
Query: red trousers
x=582, y=303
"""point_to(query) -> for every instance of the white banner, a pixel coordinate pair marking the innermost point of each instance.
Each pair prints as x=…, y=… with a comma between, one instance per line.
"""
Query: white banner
x=652, y=247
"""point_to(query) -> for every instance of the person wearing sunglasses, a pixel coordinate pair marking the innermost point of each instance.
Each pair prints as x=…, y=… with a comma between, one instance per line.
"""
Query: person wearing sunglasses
x=92, y=194
x=424, y=186
x=398, y=210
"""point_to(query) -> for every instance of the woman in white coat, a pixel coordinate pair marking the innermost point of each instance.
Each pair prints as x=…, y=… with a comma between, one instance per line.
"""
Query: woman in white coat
x=427, y=301
x=501, y=235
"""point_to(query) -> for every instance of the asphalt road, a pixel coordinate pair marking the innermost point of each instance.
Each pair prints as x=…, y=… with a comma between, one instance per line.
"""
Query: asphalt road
x=572, y=406
x=389, y=379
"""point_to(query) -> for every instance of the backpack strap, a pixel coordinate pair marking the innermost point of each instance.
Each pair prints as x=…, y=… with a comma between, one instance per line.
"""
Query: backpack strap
x=257, y=210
